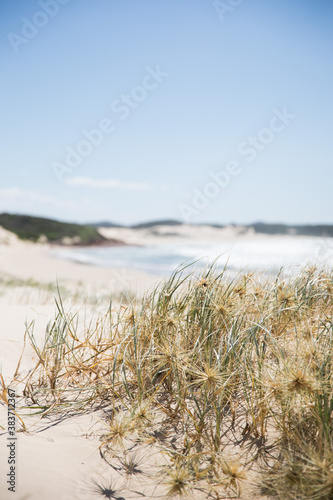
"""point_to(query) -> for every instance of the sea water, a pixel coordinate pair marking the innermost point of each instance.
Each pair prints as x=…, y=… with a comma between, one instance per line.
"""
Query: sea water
x=257, y=254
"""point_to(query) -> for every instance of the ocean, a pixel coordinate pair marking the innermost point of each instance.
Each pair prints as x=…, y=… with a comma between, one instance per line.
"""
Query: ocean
x=265, y=255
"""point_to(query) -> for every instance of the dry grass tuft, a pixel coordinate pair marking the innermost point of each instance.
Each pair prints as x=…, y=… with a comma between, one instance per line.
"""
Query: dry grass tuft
x=202, y=369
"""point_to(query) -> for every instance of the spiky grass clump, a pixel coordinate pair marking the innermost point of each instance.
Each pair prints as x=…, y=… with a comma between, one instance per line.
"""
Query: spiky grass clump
x=205, y=367
x=307, y=475
x=178, y=481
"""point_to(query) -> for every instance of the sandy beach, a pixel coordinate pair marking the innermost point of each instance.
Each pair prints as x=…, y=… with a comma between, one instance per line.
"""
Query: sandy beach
x=59, y=458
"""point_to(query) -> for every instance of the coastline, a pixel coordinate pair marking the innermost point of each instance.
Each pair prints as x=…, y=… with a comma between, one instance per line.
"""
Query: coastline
x=32, y=261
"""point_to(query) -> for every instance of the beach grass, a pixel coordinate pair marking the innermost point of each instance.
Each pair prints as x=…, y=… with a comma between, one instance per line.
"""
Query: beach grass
x=228, y=380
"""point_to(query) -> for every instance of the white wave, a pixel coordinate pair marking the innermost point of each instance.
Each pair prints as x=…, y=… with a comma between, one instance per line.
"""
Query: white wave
x=258, y=254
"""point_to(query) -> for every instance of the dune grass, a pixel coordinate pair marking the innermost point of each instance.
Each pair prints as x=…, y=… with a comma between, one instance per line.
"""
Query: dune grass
x=229, y=379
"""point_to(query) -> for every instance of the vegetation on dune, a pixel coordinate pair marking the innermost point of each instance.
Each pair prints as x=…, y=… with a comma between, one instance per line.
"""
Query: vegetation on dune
x=163, y=222
x=32, y=228
x=230, y=379
x=298, y=230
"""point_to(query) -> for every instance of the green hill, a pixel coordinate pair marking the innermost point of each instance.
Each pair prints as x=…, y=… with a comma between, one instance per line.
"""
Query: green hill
x=32, y=228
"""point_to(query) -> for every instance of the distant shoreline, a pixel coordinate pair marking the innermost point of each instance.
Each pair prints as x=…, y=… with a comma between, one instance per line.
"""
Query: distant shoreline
x=107, y=234
x=112, y=242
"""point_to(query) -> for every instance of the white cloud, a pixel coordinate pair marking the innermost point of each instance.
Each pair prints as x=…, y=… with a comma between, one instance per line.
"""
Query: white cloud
x=108, y=184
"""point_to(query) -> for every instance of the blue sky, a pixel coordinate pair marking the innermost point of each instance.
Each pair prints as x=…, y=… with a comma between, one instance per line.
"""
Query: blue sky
x=183, y=91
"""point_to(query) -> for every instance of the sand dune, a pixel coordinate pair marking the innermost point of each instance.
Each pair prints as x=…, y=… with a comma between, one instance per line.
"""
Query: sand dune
x=161, y=234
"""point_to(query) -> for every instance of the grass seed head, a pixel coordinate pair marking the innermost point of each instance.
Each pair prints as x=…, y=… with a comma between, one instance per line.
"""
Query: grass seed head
x=299, y=380
x=178, y=481
x=208, y=377
x=119, y=429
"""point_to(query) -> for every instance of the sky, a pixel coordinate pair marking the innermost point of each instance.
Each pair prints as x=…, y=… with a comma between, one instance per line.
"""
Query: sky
x=198, y=110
